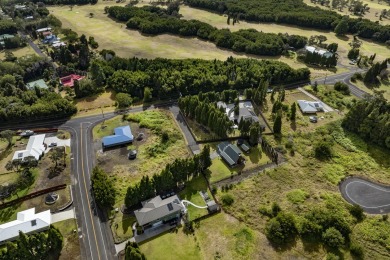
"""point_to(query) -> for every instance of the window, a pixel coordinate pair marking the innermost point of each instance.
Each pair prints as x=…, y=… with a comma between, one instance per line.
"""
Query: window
x=33, y=222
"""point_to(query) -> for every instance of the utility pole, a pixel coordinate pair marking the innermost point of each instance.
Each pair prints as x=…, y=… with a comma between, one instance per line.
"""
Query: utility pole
x=103, y=117
x=325, y=79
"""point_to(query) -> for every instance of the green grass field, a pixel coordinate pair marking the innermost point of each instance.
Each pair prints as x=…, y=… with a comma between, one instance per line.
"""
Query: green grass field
x=71, y=246
x=121, y=227
x=19, y=52
x=220, y=170
x=384, y=86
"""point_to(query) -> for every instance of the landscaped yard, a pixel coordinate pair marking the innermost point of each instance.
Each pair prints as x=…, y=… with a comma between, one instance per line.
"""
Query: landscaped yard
x=71, y=246
x=220, y=170
x=152, y=154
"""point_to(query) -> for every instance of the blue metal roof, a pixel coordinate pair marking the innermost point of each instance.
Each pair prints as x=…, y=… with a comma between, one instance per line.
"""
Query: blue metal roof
x=122, y=135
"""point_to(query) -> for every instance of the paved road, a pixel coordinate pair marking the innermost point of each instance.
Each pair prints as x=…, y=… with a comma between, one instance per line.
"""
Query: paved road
x=32, y=44
x=374, y=198
x=343, y=77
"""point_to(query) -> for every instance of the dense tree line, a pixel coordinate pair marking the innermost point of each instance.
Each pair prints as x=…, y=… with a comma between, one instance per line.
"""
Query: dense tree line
x=102, y=188
x=155, y=20
x=207, y=114
x=321, y=60
x=174, y=174
x=294, y=12
x=167, y=77
x=13, y=43
x=371, y=76
x=41, y=245
x=370, y=119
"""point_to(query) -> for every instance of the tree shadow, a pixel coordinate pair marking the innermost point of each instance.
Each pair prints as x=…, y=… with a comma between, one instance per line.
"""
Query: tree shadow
x=284, y=247
x=293, y=125
x=342, y=37
x=255, y=154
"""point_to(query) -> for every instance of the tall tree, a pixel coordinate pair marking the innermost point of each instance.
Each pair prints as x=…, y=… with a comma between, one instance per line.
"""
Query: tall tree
x=293, y=111
x=7, y=135
x=342, y=27
x=103, y=188
x=278, y=124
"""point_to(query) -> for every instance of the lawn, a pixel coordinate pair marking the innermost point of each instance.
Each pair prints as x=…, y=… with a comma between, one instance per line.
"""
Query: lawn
x=304, y=182
x=219, y=21
x=19, y=52
x=152, y=154
x=383, y=86
x=191, y=193
x=121, y=227
x=102, y=100
x=71, y=246
x=172, y=245
x=202, y=133
x=220, y=170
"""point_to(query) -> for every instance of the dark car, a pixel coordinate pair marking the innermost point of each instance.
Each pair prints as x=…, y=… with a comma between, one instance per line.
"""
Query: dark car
x=53, y=145
x=132, y=154
x=313, y=119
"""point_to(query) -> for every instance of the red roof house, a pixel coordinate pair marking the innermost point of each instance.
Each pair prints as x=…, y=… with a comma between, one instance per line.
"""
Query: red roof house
x=68, y=81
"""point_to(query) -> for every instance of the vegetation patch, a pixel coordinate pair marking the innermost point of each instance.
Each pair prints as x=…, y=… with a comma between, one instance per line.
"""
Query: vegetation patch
x=297, y=196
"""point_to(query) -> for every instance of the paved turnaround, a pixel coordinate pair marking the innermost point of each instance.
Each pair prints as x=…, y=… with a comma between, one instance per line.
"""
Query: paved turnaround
x=374, y=198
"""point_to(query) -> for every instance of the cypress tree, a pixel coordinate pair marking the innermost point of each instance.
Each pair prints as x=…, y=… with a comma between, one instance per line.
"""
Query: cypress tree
x=278, y=124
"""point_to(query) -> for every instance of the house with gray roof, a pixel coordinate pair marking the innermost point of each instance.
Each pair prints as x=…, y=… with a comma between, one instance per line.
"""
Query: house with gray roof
x=158, y=211
x=245, y=111
x=310, y=107
x=230, y=153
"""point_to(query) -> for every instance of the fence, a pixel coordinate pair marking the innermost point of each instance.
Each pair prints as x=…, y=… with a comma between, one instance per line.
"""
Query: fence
x=32, y=195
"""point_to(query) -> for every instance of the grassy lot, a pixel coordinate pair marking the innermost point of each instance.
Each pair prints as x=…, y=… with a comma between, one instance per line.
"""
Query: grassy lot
x=152, y=154
x=191, y=193
x=102, y=100
x=219, y=169
x=371, y=15
x=217, y=237
x=19, y=52
x=71, y=248
x=219, y=21
x=121, y=227
x=304, y=183
x=384, y=86
x=203, y=133
x=129, y=43
x=331, y=97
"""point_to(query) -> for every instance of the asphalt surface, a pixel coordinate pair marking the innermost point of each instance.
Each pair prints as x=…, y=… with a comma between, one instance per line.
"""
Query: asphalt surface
x=374, y=198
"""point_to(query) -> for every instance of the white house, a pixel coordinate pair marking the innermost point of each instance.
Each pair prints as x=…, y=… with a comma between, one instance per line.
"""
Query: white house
x=312, y=49
x=310, y=107
x=35, y=148
x=27, y=222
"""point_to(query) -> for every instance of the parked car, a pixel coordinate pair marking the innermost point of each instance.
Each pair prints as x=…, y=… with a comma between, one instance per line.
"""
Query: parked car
x=53, y=145
x=132, y=154
x=27, y=133
x=313, y=119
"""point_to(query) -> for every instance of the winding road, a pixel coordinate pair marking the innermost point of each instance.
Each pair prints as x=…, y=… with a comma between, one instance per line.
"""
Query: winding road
x=374, y=198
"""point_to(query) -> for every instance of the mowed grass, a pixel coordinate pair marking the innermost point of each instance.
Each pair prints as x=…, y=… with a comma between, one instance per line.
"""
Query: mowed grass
x=102, y=100
x=19, y=52
x=383, y=86
x=304, y=183
x=220, y=21
x=128, y=43
x=220, y=170
x=121, y=227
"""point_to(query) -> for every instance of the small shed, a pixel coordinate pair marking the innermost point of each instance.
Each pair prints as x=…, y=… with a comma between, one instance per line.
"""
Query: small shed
x=212, y=206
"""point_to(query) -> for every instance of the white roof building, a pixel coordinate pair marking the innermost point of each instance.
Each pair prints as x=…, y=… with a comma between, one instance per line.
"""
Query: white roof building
x=43, y=29
x=27, y=222
x=312, y=49
x=310, y=107
x=34, y=148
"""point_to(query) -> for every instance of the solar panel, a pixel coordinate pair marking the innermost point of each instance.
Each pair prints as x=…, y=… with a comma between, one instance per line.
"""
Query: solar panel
x=170, y=207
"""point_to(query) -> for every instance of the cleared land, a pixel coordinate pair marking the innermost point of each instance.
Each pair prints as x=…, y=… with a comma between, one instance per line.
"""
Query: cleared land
x=384, y=86
x=19, y=52
x=98, y=101
x=152, y=155
x=304, y=183
x=71, y=248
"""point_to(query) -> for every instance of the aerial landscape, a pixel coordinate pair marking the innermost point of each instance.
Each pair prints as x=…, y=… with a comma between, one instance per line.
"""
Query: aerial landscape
x=194, y=129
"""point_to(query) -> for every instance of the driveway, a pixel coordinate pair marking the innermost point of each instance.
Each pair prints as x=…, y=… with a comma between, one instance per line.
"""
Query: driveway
x=64, y=215
x=374, y=198
x=55, y=139
x=326, y=107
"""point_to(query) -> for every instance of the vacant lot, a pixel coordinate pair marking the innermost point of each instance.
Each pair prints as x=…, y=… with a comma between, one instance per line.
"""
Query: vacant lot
x=19, y=52
x=102, y=100
x=304, y=183
x=152, y=154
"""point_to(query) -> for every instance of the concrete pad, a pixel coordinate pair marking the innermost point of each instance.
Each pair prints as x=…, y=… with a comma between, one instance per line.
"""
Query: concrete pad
x=55, y=139
x=64, y=215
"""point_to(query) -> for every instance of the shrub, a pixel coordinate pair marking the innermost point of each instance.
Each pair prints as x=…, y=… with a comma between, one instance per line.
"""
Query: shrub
x=357, y=212
x=323, y=150
x=385, y=217
x=333, y=238
x=275, y=209
x=123, y=100
x=281, y=228
x=357, y=250
x=331, y=256
x=342, y=87
x=227, y=199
